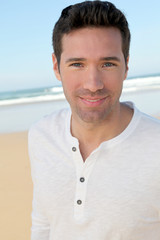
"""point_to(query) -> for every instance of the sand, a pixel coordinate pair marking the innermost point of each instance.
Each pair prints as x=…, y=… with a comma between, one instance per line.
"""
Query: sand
x=15, y=187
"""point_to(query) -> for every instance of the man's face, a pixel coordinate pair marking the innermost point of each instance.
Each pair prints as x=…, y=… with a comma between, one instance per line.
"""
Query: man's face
x=92, y=69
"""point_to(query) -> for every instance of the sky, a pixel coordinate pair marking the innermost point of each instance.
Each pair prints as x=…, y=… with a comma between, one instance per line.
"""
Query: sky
x=26, y=40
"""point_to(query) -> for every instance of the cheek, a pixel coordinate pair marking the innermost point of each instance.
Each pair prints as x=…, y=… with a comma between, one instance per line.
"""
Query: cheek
x=71, y=81
x=69, y=85
x=114, y=81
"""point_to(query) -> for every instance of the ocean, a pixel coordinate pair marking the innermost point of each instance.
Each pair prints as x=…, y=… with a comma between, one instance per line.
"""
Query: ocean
x=20, y=109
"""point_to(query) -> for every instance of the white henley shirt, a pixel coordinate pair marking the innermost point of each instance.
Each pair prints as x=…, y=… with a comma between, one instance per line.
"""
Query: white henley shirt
x=113, y=195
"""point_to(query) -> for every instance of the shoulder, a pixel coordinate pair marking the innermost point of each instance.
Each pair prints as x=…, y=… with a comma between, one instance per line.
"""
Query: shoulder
x=51, y=123
x=143, y=126
x=142, y=118
x=148, y=128
x=150, y=121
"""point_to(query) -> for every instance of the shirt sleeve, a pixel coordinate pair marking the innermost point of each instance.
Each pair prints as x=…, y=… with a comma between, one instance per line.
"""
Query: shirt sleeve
x=40, y=229
x=40, y=226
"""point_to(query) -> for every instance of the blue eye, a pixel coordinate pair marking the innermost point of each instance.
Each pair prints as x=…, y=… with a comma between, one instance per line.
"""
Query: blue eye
x=108, y=64
x=76, y=65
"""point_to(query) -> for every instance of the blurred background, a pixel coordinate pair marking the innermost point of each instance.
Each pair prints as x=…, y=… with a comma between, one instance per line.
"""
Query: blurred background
x=29, y=89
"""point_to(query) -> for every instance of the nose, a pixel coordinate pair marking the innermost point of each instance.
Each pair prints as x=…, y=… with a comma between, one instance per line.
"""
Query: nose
x=93, y=80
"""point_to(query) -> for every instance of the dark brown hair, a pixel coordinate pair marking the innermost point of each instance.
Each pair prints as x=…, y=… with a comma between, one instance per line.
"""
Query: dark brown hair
x=90, y=14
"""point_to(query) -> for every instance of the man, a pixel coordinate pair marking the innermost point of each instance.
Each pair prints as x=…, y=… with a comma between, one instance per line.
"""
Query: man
x=96, y=167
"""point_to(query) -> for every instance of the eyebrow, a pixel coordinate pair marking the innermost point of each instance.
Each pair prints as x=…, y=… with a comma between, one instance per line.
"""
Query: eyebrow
x=112, y=58
x=75, y=59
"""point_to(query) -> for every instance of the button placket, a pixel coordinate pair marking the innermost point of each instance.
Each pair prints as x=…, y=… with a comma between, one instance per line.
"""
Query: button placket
x=83, y=171
x=81, y=190
x=80, y=196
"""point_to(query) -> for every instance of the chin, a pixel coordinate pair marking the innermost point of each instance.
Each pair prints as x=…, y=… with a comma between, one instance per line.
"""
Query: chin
x=93, y=116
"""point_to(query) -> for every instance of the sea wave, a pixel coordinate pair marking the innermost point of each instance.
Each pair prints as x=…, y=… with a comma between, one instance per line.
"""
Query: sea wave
x=56, y=93
x=28, y=100
x=142, y=84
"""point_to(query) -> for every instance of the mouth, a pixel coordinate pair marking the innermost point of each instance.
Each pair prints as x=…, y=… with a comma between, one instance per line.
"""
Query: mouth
x=93, y=102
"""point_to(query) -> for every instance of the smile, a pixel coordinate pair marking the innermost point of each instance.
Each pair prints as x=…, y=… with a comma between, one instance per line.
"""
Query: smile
x=93, y=102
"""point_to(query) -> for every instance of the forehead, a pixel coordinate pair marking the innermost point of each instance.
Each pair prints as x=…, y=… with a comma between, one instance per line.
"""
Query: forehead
x=93, y=41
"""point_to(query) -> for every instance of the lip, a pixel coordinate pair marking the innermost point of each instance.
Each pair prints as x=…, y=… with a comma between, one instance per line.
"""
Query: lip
x=92, y=102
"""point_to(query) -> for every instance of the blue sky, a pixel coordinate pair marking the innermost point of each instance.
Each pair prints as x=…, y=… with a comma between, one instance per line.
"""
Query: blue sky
x=26, y=48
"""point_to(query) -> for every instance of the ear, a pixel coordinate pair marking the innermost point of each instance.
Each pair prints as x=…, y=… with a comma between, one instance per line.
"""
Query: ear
x=55, y=67
x=126, y=71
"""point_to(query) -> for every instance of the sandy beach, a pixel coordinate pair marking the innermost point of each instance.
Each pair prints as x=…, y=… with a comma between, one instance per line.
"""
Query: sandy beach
x=15, y=187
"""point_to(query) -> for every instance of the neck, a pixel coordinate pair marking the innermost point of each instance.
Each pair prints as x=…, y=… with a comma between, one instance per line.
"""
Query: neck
x=91, y=135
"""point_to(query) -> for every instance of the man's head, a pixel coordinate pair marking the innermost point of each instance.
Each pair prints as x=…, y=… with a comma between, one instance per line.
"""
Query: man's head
x=90, y=14
x=91, y=48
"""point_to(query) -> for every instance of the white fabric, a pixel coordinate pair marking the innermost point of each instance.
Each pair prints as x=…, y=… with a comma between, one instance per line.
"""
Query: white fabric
x=121, y=192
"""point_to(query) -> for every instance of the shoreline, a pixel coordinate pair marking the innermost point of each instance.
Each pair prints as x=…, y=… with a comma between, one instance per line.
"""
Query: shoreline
x=55, y=93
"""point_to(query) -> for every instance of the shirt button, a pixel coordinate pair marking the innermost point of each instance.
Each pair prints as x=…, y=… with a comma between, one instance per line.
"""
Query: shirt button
x=79, y=202
x=82, y=179
x=74, y=149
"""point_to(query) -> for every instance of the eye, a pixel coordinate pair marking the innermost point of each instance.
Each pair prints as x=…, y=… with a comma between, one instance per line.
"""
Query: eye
x=108, y=64
x=77, y=64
